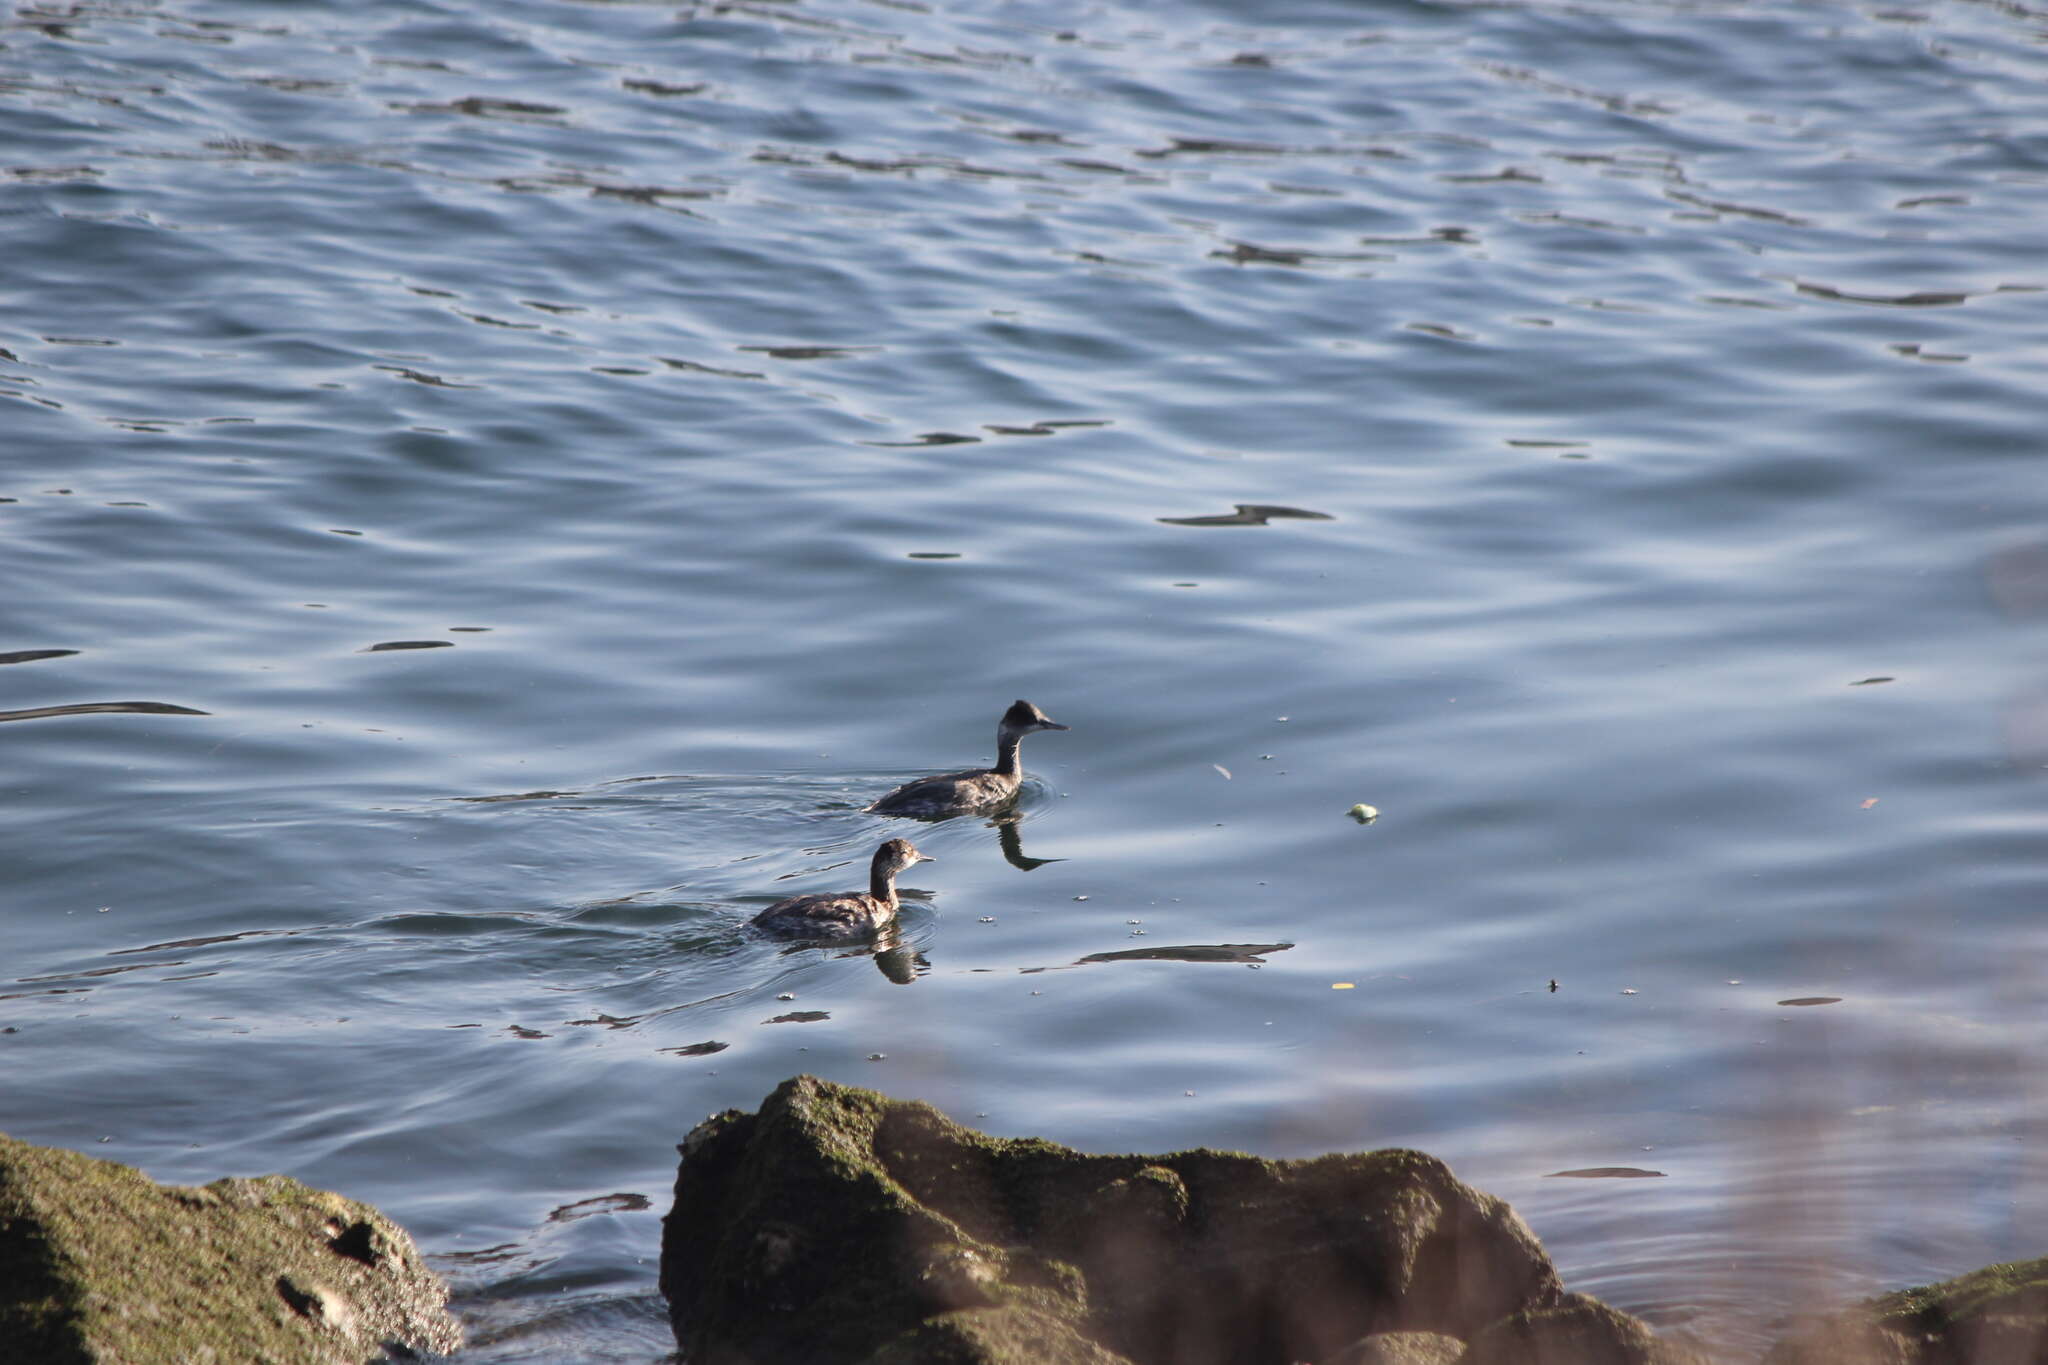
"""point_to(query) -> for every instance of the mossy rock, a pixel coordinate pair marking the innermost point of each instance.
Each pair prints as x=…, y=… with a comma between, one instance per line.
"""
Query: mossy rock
x=1576, y=1330
x=100, y=1264
x=1997, y=1314
x=836, y=1223
x=1401, y=1348
x=992, y=1336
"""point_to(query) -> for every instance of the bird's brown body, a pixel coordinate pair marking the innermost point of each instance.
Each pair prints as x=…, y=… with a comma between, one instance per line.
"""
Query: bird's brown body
x=846, y=914
x=975, y=791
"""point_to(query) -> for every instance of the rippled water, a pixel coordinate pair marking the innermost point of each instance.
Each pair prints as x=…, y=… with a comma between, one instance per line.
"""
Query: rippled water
x=1603, y=437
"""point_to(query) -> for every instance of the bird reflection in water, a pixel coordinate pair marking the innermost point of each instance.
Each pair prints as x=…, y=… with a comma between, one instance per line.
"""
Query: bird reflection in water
x=893, y=957
x=1013, y=845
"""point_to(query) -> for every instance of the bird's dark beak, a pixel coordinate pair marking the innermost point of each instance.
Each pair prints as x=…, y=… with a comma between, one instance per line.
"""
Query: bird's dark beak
x=1053, y=725
x=926, y=858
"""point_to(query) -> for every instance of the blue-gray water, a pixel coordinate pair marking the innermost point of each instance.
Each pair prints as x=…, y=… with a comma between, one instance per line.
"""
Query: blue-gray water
x=753, y=399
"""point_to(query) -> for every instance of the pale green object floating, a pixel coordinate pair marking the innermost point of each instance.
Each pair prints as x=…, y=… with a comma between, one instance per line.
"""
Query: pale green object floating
x=1365, y=814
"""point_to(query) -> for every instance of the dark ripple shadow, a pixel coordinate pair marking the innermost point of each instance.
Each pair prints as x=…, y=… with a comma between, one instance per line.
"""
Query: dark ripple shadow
x=1250, y=514
x=1737, y=210
x=94, y=708
x=1191, y=952
x=809, y=352
x=559, y=1290
x=929, y=438
x=695, y=367
x=1051, y=426
x=1237, y=147
x=1253, y=954
x=489, y=107
x=95, y=972
x=432, y=381
x=1925, y=298
x=713, y=796
x=203, y=941
x=663, y=89
x=1251, y=253
x=544, y=1323
x=515, y=796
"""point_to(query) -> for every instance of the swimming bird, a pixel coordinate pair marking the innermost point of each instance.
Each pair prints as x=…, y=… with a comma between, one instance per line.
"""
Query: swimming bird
x=977, y=791
x=847, y=914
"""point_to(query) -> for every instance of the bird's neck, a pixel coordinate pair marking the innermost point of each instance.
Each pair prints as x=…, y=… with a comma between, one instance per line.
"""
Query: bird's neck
x=882, y=884
x=1006, y=753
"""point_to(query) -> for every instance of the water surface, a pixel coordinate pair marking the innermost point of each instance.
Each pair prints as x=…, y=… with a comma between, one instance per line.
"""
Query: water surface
x=573, y=456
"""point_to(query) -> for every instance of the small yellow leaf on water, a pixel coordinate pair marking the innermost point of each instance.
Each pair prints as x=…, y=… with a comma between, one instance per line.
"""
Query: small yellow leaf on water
x=1364, y=814
x=1869, y=801
x=1343, y=985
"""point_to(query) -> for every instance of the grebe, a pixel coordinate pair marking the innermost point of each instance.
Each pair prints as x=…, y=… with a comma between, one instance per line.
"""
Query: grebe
x=978, y=791
x=846, y=914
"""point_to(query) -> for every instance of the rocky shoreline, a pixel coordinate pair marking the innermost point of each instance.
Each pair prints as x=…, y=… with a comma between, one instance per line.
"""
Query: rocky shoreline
x=837, y=1226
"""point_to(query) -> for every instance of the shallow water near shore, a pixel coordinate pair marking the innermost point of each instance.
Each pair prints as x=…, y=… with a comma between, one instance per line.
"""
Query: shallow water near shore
x=574, y=456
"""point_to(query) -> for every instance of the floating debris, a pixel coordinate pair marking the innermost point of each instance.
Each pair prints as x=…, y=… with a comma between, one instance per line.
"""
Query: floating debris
x=1364, y=814
x=1607, y=1173
x=1813, y=1000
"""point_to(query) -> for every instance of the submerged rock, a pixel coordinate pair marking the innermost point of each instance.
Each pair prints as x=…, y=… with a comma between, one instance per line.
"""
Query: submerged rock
x=1994, y=1316
x=98, y=1263
x=840, y=1227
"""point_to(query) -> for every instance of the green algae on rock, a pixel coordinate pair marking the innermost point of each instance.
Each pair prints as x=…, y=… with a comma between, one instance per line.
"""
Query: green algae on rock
x=839, y=1227
x=98, y=1263
x=1999, y=1313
